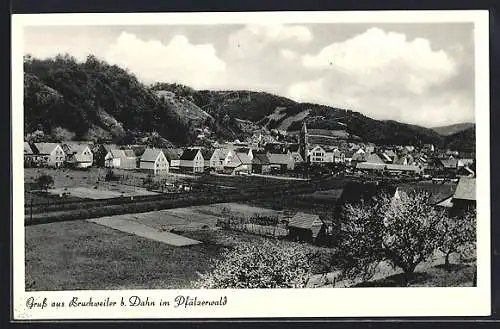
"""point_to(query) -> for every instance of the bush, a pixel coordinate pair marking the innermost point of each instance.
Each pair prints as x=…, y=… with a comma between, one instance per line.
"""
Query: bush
x=266, y=264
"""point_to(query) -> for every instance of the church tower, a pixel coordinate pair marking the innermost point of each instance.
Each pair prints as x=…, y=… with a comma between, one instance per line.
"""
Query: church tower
x=304, y=142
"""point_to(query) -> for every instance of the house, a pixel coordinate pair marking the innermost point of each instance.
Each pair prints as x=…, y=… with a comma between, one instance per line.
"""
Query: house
x=438, y=194
x=123, y=159
x=371, y=167
x=404, y=169
x=246, y=150
x=261, y=164
x=317, y=155
x=348, y=157
x=78, y=155
x=29, y=155
x=409, y=148
x=428, y=147
x=338, y=156
x=50, y=154
x=391, y=154
x=307, y=228
x=281, y=162
x=464, y=162
x=218, y=158
x=373, y=158
x=100, y=151
x=465, y=195
x=237, y=163
x=386, y=158
x=192, y=160
x=207, y=154
x=173, y=158
x=449, y=164
x=297, y=158
x=153, y=160
x=358, y=157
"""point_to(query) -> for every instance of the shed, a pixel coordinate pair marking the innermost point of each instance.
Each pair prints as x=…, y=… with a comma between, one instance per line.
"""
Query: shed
x=307, y=228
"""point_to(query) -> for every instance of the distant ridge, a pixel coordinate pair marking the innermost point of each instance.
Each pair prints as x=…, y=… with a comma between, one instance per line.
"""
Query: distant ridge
x=453, y=129
x=93, y=100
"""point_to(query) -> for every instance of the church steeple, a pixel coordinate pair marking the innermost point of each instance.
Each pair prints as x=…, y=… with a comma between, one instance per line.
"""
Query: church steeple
x=304, y=142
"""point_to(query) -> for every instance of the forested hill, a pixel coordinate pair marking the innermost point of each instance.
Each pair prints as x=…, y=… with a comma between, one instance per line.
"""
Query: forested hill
x=93, y=100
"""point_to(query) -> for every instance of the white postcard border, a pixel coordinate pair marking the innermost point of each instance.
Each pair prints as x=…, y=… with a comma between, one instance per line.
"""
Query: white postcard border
x=320, y=302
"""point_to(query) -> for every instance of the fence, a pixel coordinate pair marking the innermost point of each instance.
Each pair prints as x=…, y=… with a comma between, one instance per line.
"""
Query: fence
x=259, y=225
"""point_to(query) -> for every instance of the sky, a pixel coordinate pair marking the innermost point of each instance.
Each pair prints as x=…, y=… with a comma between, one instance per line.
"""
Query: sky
x=414, y=73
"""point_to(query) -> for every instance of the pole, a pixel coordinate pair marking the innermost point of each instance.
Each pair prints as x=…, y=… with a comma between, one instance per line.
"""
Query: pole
x=31, y=210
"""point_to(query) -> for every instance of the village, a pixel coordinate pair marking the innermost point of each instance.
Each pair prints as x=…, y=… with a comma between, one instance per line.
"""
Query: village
x=137, y=170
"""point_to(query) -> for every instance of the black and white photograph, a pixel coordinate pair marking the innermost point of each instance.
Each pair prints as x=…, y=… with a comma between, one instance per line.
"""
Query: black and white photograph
x=256, y=153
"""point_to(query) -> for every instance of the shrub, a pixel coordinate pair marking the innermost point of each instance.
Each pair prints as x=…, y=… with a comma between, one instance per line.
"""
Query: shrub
x=266, y=264
x=44, y=181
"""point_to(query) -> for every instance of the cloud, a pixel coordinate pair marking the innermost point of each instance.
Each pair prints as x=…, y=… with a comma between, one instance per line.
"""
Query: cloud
x=377, y=57
x=386, y=76
x=288, y=54
x=178, y=61
x=251, y=40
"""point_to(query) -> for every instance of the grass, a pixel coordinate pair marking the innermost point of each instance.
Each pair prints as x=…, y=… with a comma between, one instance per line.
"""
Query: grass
x=456, y=275
x=83, y=255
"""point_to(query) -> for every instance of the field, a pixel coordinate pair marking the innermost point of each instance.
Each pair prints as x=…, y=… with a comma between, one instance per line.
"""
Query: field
x=84, y=255
x=101, y=193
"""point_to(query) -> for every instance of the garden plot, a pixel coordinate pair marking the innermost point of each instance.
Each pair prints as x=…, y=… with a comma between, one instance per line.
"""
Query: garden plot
x=179, y=219
x=145, y=231
x=90, y=193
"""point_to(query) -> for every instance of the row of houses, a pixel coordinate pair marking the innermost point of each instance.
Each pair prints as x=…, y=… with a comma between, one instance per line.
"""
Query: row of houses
x=455, y=198
x=55, y=155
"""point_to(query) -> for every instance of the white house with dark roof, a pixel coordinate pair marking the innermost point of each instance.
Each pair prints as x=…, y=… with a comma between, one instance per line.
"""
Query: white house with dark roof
x=317, y=154
x=50, y=154
x=78, y=155
x=153, y=160
x=173, y=156
x=192, y=160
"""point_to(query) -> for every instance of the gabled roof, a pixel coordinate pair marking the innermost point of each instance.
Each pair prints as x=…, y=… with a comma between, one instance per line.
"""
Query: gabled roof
x=370, y=166
x=207, y=154
x=117, y=153
x=171, y=154
x=297, y=157
x=275, y=158
x=437, y=192
x=261, y=159
x=242, y=149
x=189, y=154
x=390, y=153
x=138, y=149
x=71, y=148
x=386, y=158
x=45, y=148
x=244, y=158
x=358, y=157
x=449, y=163
x=109, y=147
x=27, y=148
x=402, y=167
x=150, y=154
x=129, y=153
x=373, y=158
x=466, y=189
x=304, y=220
